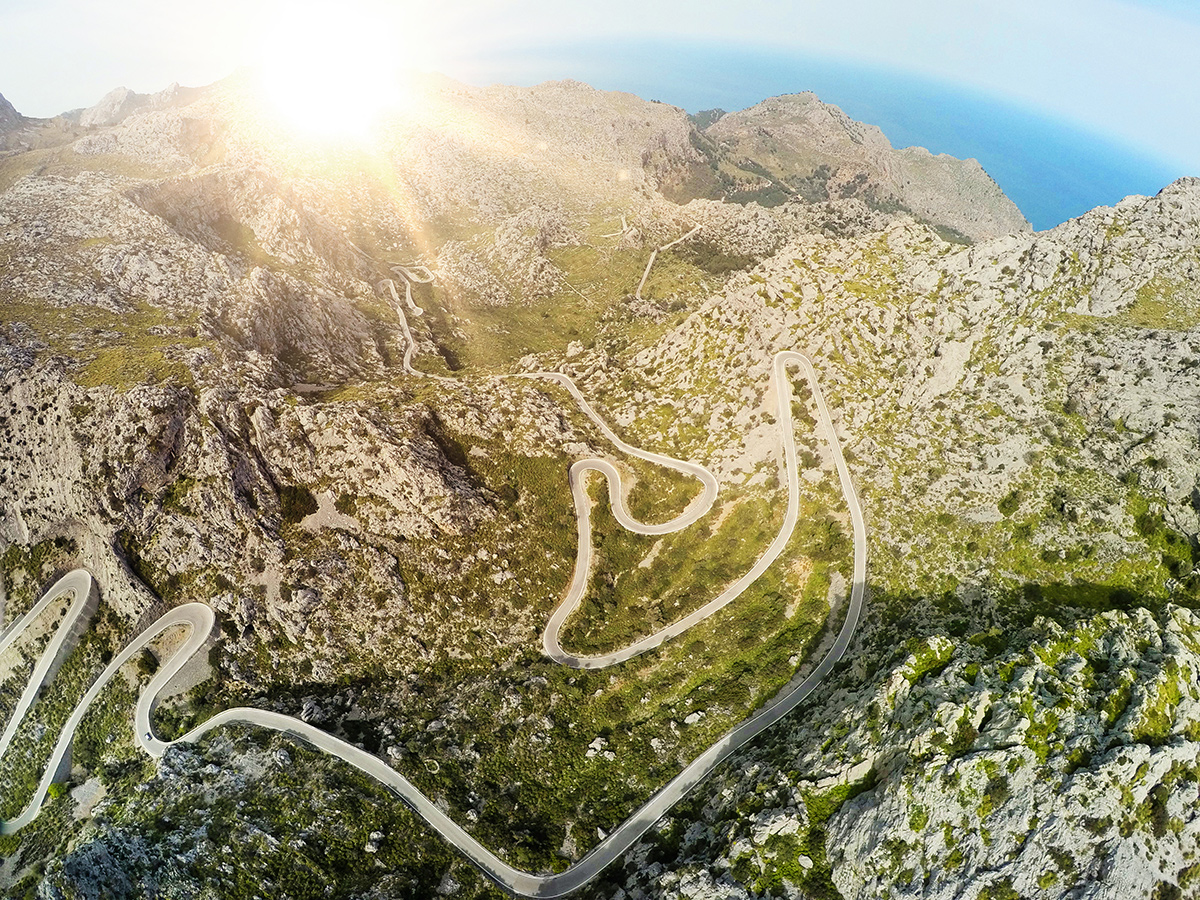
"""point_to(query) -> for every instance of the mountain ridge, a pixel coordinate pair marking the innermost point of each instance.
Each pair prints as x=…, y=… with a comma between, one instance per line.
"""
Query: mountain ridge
x=9, y=117
x=674, y=153
x=814, y=147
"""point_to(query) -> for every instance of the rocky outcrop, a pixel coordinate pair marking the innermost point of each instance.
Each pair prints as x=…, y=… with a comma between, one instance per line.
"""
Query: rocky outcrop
x=120, y=103
x=1064, y=770
x=513, y=266
x=1082, y=779
x=113, y=107
x=498, y=150
x=10, y=119
x=994, y=753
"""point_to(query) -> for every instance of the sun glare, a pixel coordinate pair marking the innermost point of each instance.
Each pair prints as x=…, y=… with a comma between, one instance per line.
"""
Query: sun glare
x=331, y=73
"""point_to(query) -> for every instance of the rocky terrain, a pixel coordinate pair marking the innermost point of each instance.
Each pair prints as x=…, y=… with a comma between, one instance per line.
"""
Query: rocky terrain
x=10, y=119
x=1035, y=734
x=801, y=146
x=202, y=398
x=1065, y=769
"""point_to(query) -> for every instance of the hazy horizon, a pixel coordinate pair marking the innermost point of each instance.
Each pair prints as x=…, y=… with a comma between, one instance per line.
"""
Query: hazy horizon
x=1052, y=170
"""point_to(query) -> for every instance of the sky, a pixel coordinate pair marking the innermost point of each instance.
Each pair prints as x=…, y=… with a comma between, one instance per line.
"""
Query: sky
x=1061, y=99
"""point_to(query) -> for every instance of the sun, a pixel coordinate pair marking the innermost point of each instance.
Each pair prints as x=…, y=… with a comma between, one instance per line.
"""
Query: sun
x=332, y=72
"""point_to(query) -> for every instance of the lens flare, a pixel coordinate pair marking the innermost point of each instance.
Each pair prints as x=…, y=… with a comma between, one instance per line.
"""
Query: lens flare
x=331, y=72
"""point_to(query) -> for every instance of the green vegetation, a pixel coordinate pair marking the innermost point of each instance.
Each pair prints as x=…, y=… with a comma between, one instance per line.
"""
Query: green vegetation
x=175, y=497
x=626, y=599
x=659, y=493
x=1158, y=711
x=782, y=852
x=1163, y=303
x=28, y=850
x=119, y=349
x=1042, y=551
x=1011, y=502
x=297, y=829
x=591, y=301
x=39, y=730
x=535, y=771
x=494, y=337
x=296, y=502
x=25, y=653
x=994, y=795
x=928, y=657
x=200, y=584
x=104, y=744
x=125, y=367
x=64, y=162
x=29, y=570
x=999, y=890
x=710, y=259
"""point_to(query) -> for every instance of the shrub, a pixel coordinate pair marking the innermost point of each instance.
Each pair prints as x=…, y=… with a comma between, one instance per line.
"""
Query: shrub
x=296, y=502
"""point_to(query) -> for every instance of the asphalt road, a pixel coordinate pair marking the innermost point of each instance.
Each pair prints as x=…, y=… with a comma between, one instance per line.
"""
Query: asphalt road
x=198, y=617
x=78, y=583
x=411, y=277
x=654, y=255
x=199, y=621
x=583, y=559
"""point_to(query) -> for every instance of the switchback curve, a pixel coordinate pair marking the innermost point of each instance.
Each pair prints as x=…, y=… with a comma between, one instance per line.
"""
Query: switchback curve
x=199, y=620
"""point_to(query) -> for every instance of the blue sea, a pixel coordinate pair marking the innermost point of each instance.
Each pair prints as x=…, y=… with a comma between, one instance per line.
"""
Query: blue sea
x=1051, y=169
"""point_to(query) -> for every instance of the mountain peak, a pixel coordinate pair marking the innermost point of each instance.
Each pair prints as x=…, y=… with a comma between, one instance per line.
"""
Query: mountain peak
x=9, y=117
x=112, y=108
x=807, y=147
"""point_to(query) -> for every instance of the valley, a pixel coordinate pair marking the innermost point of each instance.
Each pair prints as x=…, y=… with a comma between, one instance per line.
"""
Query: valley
x=217, y=393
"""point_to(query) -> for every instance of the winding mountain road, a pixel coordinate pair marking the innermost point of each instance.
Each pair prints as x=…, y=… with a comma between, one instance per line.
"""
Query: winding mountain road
x=199, y=619
x=654, y=255
x=696, y=509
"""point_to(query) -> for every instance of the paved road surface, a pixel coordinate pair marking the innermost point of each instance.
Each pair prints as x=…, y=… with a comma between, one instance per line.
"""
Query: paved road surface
x=580, y=579
x=199, y=620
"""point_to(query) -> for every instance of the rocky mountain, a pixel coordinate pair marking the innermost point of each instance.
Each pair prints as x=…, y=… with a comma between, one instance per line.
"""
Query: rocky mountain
x=203, y=397
x=12, y=124
x=9, y=117
x=799, y=145
x=112, y=108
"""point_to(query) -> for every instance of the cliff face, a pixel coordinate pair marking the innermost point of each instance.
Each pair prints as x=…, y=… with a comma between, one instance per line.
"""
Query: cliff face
x=203, y=398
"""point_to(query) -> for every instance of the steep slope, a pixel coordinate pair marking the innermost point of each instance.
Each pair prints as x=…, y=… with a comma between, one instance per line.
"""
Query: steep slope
x=9, y=117
x=1021, y=718
x=497, y=149
x=803, y=146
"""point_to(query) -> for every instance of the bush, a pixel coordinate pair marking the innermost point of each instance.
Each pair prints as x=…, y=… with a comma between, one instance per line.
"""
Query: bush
x=296, y=502
x=1011, y=503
